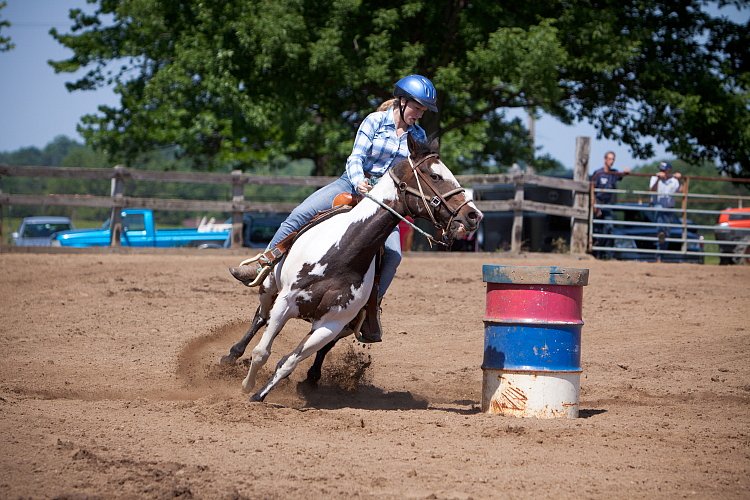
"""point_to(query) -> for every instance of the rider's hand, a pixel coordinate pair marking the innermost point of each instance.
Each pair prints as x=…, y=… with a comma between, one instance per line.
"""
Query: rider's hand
x=363, y=187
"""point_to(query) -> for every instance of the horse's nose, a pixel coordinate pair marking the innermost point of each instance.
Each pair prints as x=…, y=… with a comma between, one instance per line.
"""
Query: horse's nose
x=474, y=218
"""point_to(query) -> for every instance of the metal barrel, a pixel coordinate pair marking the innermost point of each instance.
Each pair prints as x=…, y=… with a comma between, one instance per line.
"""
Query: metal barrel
x=532, y=340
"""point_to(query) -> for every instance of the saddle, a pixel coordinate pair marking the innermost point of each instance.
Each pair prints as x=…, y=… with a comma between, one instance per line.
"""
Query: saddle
x=266, y=260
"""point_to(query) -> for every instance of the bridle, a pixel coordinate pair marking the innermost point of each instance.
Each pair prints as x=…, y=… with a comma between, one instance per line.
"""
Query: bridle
x=437, y=199
x=434, y=203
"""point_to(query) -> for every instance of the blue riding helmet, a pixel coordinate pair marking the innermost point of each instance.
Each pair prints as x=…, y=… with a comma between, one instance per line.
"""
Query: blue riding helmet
x=418, y=88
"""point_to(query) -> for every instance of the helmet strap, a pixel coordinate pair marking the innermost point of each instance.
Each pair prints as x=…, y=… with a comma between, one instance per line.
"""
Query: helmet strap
x=401, y=108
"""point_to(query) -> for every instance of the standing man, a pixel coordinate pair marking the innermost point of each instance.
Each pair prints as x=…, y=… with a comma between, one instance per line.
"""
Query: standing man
x=665, y=184
x=606, y=177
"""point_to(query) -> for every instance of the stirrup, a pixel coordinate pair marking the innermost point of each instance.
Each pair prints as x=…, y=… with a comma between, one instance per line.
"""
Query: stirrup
x=358, y=331
x=360, y=319
x=264, y=268
x=264, y=271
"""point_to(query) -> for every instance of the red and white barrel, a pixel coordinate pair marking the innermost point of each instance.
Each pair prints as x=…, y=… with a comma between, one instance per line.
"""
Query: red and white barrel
x=532, y=340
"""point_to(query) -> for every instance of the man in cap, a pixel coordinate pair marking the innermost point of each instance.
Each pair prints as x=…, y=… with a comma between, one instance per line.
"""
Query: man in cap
x=665, y=184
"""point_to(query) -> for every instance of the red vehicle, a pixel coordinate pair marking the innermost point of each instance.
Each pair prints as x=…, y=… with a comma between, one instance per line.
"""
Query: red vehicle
x=734, y=225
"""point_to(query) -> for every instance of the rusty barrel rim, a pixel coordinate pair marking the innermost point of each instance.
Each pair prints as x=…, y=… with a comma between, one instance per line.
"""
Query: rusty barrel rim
x=535, y=275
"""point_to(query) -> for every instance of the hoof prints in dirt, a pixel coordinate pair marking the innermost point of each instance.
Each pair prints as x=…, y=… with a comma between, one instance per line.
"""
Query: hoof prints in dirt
x=133, y=477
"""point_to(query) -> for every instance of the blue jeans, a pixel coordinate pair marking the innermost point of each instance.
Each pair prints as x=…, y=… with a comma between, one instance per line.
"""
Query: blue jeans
x=663, y=218
x=608, y=215
x=322, y=199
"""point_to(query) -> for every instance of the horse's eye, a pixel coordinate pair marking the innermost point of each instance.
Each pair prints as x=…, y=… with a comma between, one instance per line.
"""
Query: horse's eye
x=435, y=177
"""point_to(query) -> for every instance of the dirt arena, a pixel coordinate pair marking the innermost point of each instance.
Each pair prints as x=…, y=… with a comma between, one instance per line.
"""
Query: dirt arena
x=109, y=387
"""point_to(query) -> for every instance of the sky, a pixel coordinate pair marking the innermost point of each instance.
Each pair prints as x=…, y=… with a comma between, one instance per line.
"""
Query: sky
x=35, y=106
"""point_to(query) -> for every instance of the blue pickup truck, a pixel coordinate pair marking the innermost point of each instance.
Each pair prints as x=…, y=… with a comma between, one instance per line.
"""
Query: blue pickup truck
x=139, y=230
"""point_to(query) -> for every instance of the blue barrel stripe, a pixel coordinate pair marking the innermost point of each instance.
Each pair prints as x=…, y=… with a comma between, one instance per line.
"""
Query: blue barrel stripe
x=538, y=347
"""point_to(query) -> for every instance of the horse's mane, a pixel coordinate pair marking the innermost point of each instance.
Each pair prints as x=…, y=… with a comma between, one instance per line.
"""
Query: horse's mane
x=422, y=149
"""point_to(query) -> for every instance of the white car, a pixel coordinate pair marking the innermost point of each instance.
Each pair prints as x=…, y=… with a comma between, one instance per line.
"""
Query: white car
x=36, y=231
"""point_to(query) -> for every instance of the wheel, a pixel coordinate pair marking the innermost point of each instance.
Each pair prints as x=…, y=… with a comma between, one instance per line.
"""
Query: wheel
x=743, y=248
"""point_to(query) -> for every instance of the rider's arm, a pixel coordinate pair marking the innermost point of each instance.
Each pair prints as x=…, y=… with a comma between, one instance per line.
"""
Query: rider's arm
x=361, y=150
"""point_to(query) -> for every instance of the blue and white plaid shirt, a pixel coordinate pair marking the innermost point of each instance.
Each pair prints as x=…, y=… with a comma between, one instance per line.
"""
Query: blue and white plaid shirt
x=377, y=147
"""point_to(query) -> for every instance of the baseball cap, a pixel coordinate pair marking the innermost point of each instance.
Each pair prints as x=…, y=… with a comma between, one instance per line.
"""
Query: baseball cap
x=665, y=166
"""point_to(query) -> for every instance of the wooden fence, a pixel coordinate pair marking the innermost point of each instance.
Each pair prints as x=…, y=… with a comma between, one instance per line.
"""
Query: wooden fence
x=238, y=205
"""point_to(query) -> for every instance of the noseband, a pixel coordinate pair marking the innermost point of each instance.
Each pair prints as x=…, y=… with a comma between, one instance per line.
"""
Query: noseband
x=438, y=198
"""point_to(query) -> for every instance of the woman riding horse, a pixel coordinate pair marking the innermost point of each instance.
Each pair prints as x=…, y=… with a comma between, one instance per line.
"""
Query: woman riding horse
x=380, y=143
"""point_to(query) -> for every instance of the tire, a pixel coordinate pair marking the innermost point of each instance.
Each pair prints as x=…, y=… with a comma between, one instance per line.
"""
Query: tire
x=743, y=248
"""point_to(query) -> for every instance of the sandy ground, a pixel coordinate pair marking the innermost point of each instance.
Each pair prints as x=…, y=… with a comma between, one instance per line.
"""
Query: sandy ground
x=110, y=387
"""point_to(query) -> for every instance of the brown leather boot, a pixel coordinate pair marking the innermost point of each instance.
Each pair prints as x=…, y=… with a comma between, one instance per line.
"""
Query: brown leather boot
x=251, y=274
x=371, y=330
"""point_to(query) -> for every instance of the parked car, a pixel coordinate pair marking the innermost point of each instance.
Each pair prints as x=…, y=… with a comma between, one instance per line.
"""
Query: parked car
x=634, y=212
x=734, y=225
x=36, y=231
x=139, y=230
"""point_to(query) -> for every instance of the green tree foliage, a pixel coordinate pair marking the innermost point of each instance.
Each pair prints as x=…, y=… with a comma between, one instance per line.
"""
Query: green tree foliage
x=5, y=42
x=230, y=83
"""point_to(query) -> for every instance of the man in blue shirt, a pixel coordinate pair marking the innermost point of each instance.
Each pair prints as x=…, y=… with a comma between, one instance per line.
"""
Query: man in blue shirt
x=606, y=177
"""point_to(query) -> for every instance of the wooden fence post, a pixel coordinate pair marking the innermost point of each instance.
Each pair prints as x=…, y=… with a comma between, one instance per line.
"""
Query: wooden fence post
x=579, y=232
x=516, y=238
x=238, y=198
x=117, y=193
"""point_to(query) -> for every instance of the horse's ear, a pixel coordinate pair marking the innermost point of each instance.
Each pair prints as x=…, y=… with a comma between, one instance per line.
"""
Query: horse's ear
x=433, y=142
x=413, y=146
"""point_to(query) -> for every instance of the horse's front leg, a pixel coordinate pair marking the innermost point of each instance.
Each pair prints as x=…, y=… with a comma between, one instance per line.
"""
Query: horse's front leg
x=320, y=338
x=238, y=349
x=266, y=298
x=280, y=314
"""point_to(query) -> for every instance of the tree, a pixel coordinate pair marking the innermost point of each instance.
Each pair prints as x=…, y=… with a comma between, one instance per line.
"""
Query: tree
x=234, y=82
x=5, y=42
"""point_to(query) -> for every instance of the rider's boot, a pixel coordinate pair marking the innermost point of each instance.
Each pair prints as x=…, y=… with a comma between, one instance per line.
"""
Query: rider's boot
x=371, y=330
x=252, y=272
x=248, y=274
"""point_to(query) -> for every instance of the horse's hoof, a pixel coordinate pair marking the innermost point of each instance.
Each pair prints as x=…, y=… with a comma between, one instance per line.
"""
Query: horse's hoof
x=247, y=386
x=229, y=359
x=256, y=398
x=312, y=379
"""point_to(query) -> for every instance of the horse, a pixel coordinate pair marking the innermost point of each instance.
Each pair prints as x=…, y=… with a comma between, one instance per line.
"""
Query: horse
x=327, y=275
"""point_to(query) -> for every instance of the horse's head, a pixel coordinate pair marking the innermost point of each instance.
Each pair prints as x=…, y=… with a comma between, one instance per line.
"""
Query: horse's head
x=430, y=191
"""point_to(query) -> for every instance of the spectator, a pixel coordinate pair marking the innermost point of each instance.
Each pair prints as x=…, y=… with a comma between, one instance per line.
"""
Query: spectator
x=606, y=177
x=665, y=184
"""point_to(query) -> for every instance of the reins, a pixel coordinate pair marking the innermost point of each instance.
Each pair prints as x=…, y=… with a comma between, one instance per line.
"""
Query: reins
x=430, y=239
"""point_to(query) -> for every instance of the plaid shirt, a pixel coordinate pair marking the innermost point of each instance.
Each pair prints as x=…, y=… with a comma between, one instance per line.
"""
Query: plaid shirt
x=377, y=147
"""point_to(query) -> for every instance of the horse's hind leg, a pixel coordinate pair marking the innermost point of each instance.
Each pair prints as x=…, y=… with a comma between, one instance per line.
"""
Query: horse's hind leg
x=314, y=373
x=313, y=343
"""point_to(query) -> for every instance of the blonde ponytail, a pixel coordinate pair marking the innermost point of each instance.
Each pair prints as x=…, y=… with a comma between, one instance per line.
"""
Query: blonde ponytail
x=386, y=105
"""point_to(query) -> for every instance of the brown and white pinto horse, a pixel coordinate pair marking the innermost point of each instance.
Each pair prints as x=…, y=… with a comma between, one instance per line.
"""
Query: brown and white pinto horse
x=327, y=275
